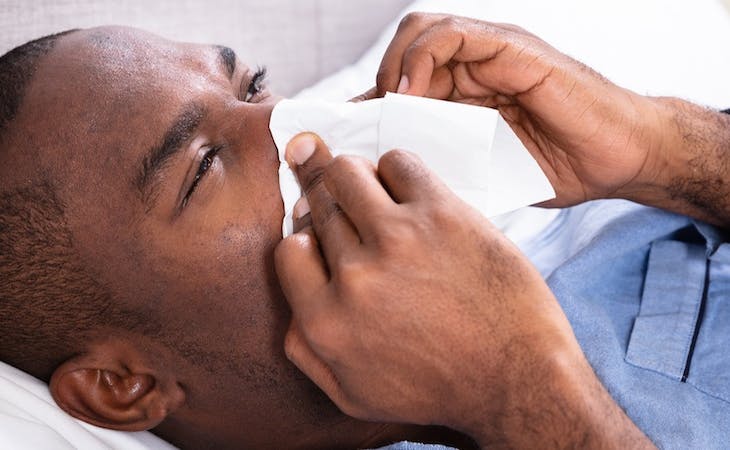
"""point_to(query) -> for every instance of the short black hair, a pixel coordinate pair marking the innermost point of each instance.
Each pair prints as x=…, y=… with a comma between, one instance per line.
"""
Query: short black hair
x=16, y=70
x=48, y=301
x=46, y=297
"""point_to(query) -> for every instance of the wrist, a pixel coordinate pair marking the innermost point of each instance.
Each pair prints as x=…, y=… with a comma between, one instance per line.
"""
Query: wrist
x=656, y=138
x=689, y=162
x=537, y=369
x=558, y=402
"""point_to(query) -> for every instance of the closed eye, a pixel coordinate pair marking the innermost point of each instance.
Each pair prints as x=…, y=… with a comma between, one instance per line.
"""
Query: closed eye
x=205, y=164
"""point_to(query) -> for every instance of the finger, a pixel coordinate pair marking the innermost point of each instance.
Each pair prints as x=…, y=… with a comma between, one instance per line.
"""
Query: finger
x=432, y=49
x=301, y=215
x=511, y=61
x=302, y=273
x=389, y=73
x=408, y=179
x=300, y=353
x=367, y=95
x=355, y=185
x=441, y=85
x=308, y=156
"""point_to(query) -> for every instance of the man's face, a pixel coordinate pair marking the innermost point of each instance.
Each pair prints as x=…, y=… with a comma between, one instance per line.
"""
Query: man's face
x=169, y=178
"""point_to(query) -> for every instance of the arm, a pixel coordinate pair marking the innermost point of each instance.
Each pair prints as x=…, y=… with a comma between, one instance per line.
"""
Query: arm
x=410, y=307
x=693, y=166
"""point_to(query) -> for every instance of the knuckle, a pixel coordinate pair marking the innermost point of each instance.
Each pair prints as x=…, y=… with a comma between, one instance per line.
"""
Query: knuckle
x=412, y=19
x=342, y=164
x=400, y=234
x=511, y=28
x=311, y=178
x=328, y=213
x=326, y=338
x=345, y=167
x=407, y=165
x=345, y=177
x=443, y=215
x=396, y=158
x=351, y=278
x=417, y=52
x=451, y=22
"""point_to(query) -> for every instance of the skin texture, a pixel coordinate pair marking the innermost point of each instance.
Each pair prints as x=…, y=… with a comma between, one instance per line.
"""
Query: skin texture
x=206, y=366
x=446, y=321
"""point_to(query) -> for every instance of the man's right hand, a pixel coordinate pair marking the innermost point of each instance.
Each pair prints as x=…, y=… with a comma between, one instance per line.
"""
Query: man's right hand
x=593, y=139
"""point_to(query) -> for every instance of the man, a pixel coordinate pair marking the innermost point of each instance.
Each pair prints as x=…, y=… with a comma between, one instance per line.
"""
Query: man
x=139, y=211
x=137, y=239
x=409, y=306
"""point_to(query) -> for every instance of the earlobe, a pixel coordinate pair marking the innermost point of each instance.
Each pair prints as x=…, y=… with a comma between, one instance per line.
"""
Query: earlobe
x=113, y=397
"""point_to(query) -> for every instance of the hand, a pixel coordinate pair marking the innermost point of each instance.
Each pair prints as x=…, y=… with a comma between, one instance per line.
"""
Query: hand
x=409, y=306
x=592, y=138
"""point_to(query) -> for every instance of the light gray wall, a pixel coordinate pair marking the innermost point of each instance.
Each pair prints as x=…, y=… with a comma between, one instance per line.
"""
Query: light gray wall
x=300, y=41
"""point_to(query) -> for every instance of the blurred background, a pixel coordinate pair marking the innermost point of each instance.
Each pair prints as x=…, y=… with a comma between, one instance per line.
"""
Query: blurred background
x=300, y=41
x=657, y=47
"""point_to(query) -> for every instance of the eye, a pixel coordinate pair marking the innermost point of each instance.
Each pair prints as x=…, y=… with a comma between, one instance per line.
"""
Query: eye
x=205, y=164
x=256, y=86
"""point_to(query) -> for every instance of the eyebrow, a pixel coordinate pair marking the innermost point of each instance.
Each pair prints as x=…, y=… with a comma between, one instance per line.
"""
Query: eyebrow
x=157, y=157
x=227, y=57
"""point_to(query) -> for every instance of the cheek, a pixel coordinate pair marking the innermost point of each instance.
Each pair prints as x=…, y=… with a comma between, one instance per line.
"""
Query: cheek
x=249, y=314
x=236, y=269
x=228, y=298
x=244, y=257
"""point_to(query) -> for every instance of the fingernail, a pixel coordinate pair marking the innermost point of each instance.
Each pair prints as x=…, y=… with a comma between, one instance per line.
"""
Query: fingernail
x=403, y=85
x=301, y=208
x=301, y=148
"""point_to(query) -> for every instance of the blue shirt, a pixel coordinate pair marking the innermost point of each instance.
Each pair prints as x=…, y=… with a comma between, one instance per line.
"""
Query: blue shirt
x=647, y=293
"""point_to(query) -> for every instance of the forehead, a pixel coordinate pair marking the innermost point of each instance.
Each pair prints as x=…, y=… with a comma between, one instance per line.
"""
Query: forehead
x=130, y=57
x=102, y=69
x=107, y=94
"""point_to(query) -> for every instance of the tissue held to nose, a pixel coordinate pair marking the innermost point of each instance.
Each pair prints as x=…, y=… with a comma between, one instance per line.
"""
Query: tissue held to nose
x=454, y=140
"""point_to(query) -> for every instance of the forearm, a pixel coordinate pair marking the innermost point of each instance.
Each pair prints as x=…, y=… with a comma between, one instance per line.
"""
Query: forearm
x=690, y=170
x=563, y=406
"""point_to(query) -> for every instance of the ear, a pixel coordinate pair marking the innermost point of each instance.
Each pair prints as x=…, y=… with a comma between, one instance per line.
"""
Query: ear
x=111, y=395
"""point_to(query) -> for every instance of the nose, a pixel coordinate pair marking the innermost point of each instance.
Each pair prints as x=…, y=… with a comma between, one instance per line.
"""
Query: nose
x=249, y=127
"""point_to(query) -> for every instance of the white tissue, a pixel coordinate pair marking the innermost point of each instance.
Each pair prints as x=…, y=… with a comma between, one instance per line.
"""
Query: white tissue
x=469, y=147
